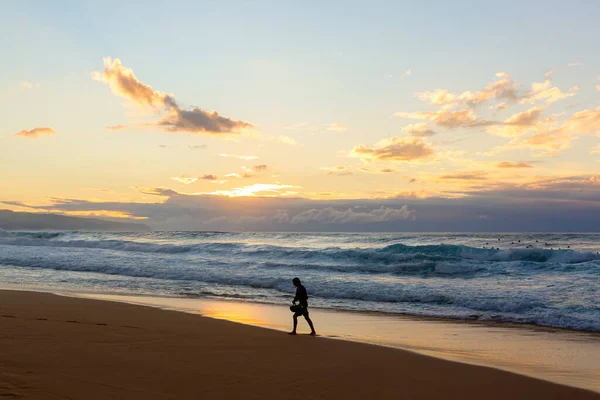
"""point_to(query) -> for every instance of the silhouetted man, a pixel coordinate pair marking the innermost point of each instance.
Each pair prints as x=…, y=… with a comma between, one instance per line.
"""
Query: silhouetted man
x=301, y=298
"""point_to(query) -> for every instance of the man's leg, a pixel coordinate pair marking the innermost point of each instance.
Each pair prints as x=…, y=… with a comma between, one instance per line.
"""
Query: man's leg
x=295, y=324
x=312, y=328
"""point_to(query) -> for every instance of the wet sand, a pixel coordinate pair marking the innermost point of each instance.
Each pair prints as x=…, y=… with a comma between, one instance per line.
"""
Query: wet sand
x=55, y=347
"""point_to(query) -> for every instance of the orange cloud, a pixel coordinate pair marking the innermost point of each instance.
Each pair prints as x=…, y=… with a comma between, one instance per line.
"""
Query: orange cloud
x=465, y=176
x=517, y=124
x=502, y=89
x=544, y=91
x=337, y=127
x=36, y=132
x=116, y=127
x=377, y=171
x=124, y=83
x=446, y=119
x=510, y=164
x=395, y=149
x=418, y=130
x=337, y=170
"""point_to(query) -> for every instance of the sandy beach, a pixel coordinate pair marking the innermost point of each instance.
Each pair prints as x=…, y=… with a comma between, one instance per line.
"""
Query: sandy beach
x=55, y=347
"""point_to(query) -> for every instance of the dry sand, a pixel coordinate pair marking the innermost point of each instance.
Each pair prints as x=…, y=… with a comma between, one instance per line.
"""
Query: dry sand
x=54, y=347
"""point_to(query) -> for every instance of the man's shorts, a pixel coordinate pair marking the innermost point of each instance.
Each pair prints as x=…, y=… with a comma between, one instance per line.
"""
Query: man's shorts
x=303, y=311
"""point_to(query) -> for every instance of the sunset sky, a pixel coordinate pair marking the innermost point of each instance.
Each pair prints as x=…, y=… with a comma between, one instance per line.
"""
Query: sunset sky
x=330, y=116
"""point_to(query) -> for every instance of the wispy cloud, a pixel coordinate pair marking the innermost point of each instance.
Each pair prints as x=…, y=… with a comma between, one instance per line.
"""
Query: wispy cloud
x=336, y=127
x=260, y=168
x=286, y=140
x=377, y=170
x=503, y=88
x=124, y=83
x=239, y=156
x=446, y=119
x=258, y=189
x=418, y=130
x=330, y=215
x=184, y=179
x=116, y=127
x=36, y=132
x=395, y=149
x=339, y=170
x=238, y=175
x=511, y=164
x=465, y=176
x=575, y=64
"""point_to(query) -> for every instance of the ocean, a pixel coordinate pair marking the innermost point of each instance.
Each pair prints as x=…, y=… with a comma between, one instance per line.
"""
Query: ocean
x=545, y=279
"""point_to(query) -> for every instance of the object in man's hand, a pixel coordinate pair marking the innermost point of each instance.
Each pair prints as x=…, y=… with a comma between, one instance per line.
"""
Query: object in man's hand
x=295, y=308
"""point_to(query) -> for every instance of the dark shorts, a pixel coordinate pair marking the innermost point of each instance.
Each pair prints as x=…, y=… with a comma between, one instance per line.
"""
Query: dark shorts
x=303, y=311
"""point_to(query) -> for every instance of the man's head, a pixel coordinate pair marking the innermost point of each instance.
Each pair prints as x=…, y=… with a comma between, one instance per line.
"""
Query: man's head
x=296, y=281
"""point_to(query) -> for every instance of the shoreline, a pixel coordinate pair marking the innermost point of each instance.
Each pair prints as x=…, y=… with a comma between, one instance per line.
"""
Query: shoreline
x=490, y=323
x=506, y=348
x=58, y=346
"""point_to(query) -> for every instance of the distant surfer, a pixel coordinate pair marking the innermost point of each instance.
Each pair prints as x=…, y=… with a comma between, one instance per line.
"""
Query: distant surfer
x=302, y=307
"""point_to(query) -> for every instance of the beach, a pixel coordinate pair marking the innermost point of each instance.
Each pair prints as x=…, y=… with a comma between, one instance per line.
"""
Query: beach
x=56, y=347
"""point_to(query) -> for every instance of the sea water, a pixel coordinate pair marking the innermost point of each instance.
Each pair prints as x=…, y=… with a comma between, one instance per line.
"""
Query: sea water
x=545, y=279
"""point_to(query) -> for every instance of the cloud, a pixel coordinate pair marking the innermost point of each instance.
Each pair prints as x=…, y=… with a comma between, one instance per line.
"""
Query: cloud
x=597, y=87
x=337, y=170
x=258, y=189
x=116, y=127
x=406, y=73
x=446, y=119
x=198, y=120
x=551, y=136
x=36, y=132
x=286, y=140
x=510, y=164
x=330, y=215
x=184, y=179
x=501, y=89
x=549, y=73
x=238, y=156
x=239, y=176
x=198, y=146
x=158, y=192
x=596, y=149
x=584, y=122
x=123, y=83
x=575, y=64
x=260, y=168
x=395, y=149
x=29, y=85
x=499, y=106
x=418, y=130
x=336, y=127
x=518, y=124
x=544, y=91
x=465, y=176
x=531, y=206
x=209, y=177
x=377, y=171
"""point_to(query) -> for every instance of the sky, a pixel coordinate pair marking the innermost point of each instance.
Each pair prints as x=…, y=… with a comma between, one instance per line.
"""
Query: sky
x=304, y=116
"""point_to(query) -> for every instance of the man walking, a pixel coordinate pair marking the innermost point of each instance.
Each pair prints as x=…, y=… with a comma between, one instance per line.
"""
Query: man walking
x=302, y=309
